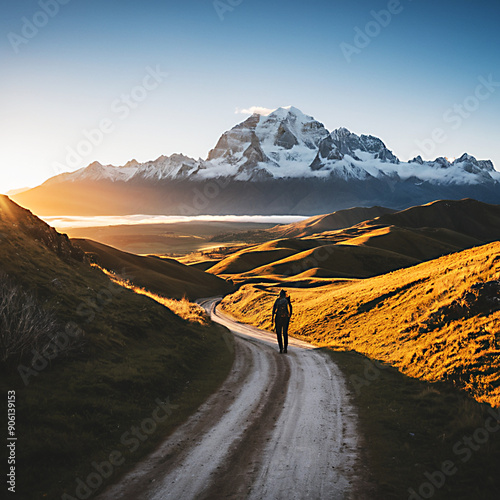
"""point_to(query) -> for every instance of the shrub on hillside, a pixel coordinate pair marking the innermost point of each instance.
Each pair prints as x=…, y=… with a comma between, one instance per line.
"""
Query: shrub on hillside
x=24, y=324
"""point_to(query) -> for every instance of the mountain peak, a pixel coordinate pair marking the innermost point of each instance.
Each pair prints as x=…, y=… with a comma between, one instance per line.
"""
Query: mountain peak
x=95, y=165
x=131, y=163
x=341, y=131
x=290, y=112
x=472, y=165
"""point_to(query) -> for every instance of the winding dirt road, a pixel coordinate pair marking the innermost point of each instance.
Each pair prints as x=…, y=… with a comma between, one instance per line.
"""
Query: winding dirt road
x=280, y=427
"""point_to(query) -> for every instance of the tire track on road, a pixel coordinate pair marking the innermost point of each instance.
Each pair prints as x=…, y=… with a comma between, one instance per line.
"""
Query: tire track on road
x=280, y=427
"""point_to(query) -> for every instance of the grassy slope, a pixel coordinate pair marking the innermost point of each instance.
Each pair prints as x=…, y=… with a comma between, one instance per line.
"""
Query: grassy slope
x=259, y=255
x=470, y=217
x=307, y=227
x=401, y=318
x=329, y=222
x=419, y=243
x=337, y=260
x=77, y=408
x=290, y=257
x=410, y=427
x=370, y=248
x=160, y=275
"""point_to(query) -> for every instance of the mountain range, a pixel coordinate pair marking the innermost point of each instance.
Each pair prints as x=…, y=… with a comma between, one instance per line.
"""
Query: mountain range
x=283, y=163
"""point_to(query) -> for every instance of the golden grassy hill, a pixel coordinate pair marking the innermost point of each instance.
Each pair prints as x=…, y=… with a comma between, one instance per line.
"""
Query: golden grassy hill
x=329, y=222
x=312, y=225
x=336, y=260
x=160, y=275
x=435, y=321
x=469, y=217
x=87, y=358
x=246, y=260
x=259, y=255
x=419, y=243
x=361, y=251
x=374, y=247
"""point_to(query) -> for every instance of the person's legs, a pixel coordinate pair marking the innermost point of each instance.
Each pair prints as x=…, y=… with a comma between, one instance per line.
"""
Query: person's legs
x=285, y=334
x=279, y=327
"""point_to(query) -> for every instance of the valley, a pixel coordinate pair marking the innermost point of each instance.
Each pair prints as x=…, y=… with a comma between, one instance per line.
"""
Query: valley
x=405, y=303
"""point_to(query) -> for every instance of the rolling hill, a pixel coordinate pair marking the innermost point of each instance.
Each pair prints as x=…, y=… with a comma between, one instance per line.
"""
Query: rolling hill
x=330, y=222
x=160, y=275
x=469, y=217
x=436, y=321
x=372, y=247
x=318, y=224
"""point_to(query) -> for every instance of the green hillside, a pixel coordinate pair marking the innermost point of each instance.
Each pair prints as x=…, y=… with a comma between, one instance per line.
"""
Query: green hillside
x=160, y=275
x=106, y=359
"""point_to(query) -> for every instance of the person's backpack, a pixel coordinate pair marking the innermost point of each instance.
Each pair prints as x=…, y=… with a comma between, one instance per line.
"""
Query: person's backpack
x=282, y=308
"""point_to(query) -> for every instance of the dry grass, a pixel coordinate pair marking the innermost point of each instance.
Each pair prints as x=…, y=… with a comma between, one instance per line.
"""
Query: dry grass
x=370, y=248
x=24, y=324
x=182, y=307
x=163, y=276
x=403, y=318
x=186, y=310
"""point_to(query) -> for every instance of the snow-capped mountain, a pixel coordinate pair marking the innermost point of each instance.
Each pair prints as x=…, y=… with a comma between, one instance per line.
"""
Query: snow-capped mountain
x=276, y=154
x=290, y=144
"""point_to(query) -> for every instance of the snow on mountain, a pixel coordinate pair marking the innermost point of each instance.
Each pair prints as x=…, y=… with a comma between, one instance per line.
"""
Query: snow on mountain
x=290, y=144
x=96, y=172
x=164, y=167
x=282, y=144
x=167, y=167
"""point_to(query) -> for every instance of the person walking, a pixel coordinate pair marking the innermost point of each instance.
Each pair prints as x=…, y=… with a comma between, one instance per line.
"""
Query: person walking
x=282, y=312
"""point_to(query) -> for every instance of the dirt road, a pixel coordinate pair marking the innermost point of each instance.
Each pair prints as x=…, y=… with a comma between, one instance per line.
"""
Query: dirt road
x=281, y=427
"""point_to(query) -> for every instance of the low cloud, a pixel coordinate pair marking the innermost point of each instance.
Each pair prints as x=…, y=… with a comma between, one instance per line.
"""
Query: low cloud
x=254, y=109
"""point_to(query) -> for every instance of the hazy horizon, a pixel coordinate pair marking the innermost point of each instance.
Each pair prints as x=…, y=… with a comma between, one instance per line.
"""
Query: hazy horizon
x=71, y=221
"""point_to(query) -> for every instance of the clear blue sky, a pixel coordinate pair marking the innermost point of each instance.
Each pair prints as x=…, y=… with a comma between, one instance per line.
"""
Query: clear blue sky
x=70, y=73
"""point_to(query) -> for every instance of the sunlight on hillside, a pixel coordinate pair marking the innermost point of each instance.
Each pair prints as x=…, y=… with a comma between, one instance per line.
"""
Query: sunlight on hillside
x=437, y=320
x=184, y=308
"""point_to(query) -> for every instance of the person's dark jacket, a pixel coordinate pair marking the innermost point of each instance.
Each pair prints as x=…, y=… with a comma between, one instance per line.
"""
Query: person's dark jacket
x=276, y=309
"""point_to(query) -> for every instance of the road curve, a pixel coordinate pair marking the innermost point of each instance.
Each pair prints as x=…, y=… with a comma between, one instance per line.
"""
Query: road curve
x=280, y=427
